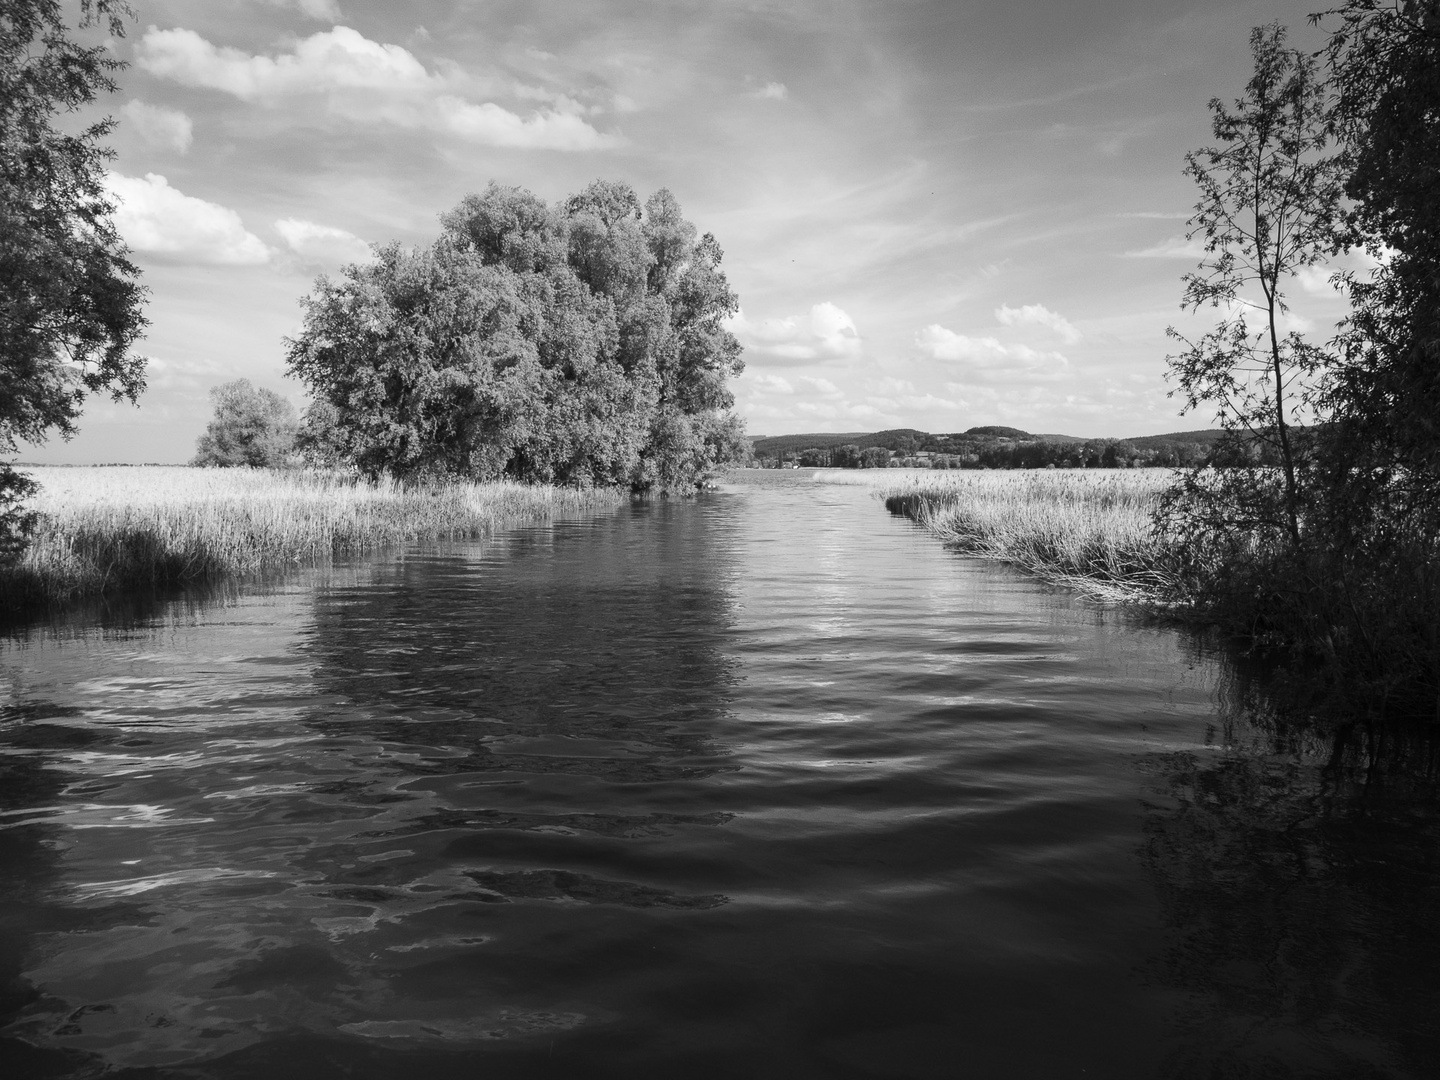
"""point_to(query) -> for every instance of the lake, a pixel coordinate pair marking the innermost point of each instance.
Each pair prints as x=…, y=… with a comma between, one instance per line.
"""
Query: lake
x=761, y=784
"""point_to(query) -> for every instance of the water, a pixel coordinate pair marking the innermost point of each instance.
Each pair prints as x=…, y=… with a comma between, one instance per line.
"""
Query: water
x=762, y=785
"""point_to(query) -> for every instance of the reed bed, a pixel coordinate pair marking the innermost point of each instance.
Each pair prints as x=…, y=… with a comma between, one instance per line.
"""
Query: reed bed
x=112, y=527
x=1091, y=530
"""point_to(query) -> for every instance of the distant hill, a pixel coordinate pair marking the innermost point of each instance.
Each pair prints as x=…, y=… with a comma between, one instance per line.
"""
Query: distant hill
x=1199, y=438
x=771, y=445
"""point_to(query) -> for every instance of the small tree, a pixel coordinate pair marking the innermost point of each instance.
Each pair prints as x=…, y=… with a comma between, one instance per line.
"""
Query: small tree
x=70, y=305
x=252, y=426
x=1269, y=197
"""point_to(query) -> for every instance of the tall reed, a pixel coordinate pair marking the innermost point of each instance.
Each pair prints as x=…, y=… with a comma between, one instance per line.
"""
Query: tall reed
x=108, y=528
x=1087, y=529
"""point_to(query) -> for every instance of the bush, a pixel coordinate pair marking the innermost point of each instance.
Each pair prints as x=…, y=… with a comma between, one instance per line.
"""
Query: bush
x=16, y=522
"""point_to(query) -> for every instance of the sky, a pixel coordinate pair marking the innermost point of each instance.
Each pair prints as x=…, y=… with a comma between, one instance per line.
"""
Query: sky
x=936, y=213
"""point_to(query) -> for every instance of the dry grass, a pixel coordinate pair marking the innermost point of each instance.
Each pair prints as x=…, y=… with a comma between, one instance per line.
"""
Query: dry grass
x=107, y=528
x=1088, y=529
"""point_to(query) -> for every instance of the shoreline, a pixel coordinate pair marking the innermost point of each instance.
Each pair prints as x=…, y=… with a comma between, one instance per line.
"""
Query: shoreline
x=1086, y=530
x=109, y=529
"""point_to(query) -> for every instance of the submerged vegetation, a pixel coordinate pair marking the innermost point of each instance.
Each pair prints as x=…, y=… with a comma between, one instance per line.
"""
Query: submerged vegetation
x=103, y=529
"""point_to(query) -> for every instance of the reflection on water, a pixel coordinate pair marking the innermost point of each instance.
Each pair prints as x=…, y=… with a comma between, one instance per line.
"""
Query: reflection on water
x=1297, y=870
x=764, y=784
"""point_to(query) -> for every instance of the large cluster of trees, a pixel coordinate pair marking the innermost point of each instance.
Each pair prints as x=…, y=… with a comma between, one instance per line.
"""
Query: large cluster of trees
x=994, y=447
x=1334, y=551
x=581, y=343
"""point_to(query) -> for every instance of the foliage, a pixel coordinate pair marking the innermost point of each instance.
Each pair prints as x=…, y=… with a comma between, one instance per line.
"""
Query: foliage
x=1333, y=557
x=1383, y=444
x=252, y=426
x=1269, y=197
x=581, y=343
x=1380, y=452
x=978, y=448
x=70, y=307
x=17, y=523
x=108, y=528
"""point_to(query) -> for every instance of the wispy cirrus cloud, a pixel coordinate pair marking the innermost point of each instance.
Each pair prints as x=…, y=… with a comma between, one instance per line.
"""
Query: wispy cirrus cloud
x=364, y=80
x=320, y=10
x=160, y=126
x=1176, y=247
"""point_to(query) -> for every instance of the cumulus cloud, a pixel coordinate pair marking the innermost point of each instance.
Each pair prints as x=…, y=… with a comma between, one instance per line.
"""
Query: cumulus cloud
x=156, y=219
x=322, y=245
x=825, y=334
x=365, y=80
x=1315, y=280
x=160, y=126
x=773, y=91
x=988, y=357
x=1037, y=315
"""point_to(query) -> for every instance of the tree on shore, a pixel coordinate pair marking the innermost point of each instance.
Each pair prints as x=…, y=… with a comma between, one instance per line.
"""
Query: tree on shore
x=1334, y=555
x=1269, y=199
x=1379, y=455
x=581, y=343
x=70, y=301
x=252, y=426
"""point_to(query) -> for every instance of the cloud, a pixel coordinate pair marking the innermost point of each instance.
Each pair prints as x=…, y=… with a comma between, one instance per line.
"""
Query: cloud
x=331, y=60
x=156, y=219
x=827, y=333
x=324, y=245
x=773, y=91
x=1315, y=280
x=988, y=357
x=1037, y=315
x=1177, y=247
x=320, y=10
x=160, y=126
x=363, y=80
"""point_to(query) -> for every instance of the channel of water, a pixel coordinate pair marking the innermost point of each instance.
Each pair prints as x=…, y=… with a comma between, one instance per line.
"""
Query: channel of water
x=762, y=784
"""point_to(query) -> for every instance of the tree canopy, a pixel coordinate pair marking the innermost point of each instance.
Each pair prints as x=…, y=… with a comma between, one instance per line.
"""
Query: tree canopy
x=1269, y=199
x=252, y=426
x=1384, y=398
x=70, y=303
x=580, y=343
x=1335, y=556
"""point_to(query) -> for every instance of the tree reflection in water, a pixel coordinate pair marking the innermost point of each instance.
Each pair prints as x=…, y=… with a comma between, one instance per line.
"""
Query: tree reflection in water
x=1296, y=870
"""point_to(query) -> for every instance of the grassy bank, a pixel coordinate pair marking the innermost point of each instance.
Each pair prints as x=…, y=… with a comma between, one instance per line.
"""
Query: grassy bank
x=1088, y=529
x=103, y=529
